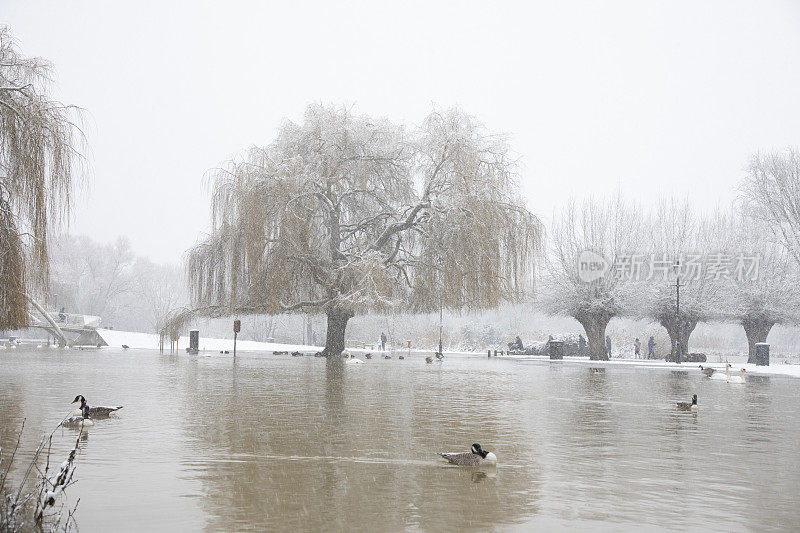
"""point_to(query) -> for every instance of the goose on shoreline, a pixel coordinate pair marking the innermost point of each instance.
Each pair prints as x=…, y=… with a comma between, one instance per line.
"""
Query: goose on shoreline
x=475, y=457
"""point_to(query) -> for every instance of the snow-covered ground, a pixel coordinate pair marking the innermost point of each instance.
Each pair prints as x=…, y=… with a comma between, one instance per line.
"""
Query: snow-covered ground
x=775, y=368
x=148, y=341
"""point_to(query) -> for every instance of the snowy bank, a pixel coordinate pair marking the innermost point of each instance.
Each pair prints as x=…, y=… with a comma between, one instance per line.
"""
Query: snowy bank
x=775, y=369
x=148, y=341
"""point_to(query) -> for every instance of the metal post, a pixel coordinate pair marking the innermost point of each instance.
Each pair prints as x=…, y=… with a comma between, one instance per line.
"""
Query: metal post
x=237, y=327
x=440, y=325
x=441, y=301
x=678, y=312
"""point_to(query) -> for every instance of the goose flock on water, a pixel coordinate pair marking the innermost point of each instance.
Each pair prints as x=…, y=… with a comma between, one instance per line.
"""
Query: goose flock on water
x=84, y=416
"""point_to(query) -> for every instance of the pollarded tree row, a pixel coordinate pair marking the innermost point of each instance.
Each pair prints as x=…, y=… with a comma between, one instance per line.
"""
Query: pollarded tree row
x=730, y=268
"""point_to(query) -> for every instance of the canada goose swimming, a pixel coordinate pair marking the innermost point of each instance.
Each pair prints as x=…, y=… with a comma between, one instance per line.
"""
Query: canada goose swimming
x=707, y=371
x=368, y=355
x=439, y=355
x=727, y=377
x=387, y=356
x=687, y=406
x=96, y=411
x=401, y=357
x=125, y=346
x=80, y=421
x=429, y=359
x=476, y=457
x=597, y=370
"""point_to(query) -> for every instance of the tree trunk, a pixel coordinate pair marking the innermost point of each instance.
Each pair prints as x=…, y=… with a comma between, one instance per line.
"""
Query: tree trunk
x=756, y=330
x=687, y=327
x=595, y=327
x=334, y=338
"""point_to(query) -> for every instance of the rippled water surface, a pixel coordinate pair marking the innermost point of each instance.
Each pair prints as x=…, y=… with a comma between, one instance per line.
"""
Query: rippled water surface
x=305, y=443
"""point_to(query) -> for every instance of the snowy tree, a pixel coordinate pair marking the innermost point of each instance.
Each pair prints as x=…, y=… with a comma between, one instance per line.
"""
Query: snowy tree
x=698, y=247
x=771, y=189
x=603, y=233
x=110, y=281
x=762, y=289
x=158, y=290
x=92, y=278
x=40, y=156
x=343, y=214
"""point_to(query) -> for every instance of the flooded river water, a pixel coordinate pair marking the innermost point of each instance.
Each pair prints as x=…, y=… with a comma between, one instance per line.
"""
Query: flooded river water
x=209, y=443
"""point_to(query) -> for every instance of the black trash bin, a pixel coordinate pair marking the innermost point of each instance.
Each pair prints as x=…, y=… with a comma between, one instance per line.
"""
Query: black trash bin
x=762, y=354
x=556, y=349
x=194, y=341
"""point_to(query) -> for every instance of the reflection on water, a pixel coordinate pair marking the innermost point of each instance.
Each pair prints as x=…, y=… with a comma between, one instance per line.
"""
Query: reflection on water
x=307, y=443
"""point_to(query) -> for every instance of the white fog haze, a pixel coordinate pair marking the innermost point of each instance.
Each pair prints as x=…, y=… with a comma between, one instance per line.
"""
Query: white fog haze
x=649, y=98
x=399, y=266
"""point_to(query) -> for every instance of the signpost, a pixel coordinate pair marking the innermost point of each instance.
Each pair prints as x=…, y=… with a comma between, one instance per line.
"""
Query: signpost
x=678, y=311
x=237, y=327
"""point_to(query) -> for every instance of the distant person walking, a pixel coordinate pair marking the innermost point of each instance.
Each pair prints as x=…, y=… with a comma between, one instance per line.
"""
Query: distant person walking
x=651, y=345
x=383, y=341
x=608, y=345
x=637, y=347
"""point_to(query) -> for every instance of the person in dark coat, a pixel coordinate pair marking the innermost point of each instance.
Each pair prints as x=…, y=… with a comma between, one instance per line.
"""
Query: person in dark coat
x=581, y=345
x=383, y=341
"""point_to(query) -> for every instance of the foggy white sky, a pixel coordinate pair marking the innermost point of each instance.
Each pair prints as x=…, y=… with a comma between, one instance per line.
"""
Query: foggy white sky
x=648, y=97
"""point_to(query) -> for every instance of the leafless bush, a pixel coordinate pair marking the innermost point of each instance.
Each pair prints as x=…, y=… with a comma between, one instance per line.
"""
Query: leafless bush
x=24, y=507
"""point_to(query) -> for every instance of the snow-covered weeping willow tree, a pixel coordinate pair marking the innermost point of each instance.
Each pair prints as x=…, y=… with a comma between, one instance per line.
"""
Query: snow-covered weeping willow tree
x=40, y=155
x=345, y=214
x=603, y=232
